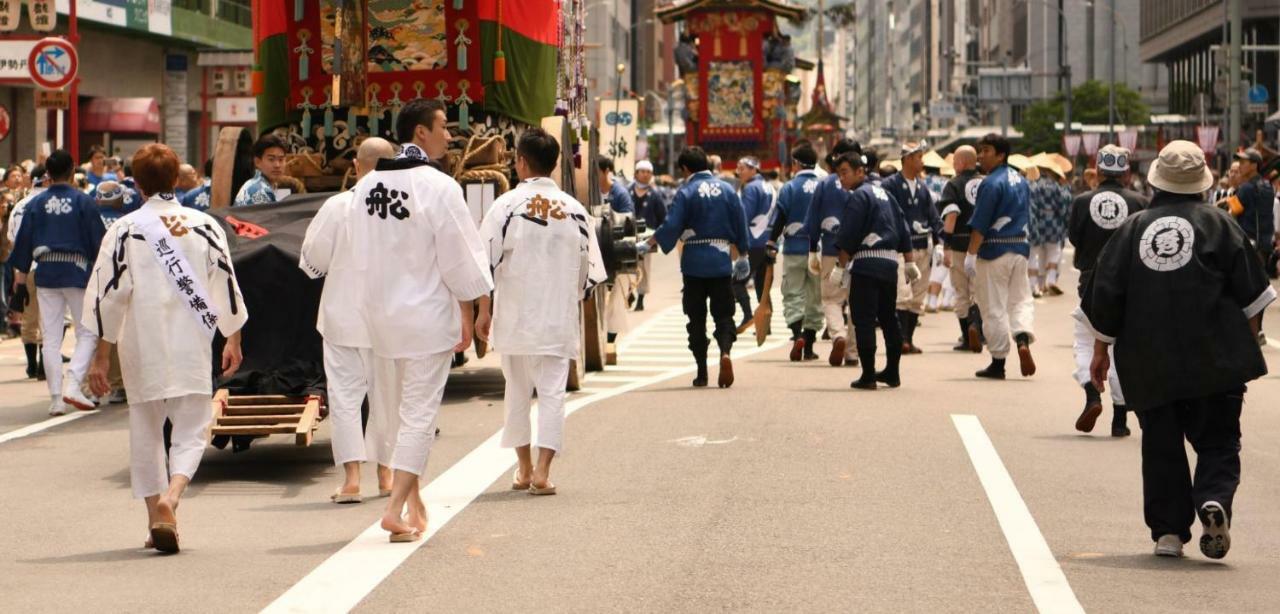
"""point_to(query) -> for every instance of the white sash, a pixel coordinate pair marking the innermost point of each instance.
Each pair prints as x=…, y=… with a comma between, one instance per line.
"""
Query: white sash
x=189, y=287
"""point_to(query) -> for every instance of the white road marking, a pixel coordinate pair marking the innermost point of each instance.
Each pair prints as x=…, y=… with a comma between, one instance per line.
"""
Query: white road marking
x=32, y=429
x=1040, y=570
x=350, y=574
x=697, y=441
x=623, y=367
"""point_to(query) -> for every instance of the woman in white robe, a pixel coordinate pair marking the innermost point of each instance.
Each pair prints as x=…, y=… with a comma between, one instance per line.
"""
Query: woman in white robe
x=162, y=285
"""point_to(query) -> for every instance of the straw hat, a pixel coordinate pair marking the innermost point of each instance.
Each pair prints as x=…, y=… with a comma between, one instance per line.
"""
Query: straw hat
x=1020, y=162
x=1046, y=162
x=1180, y=168
x=933, y=160
x=947, y=170
x=1063, y=162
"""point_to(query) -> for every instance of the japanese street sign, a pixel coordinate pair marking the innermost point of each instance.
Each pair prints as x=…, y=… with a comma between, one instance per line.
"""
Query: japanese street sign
x=53, y=63
x=1258, y=94
x=53, y=99
x=10, y=15
x=13, y=59
x=42, y=15
x=618, y=134
x=235, y=110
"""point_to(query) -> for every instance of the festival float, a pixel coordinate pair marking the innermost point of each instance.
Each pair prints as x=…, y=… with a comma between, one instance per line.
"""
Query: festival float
x=736, y=64
x=330, y=73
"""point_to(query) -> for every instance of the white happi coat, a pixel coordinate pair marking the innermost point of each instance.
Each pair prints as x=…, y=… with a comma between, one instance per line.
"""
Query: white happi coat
x=328, y=251
x=542, y=246
x=130, y=300
x=420, y=252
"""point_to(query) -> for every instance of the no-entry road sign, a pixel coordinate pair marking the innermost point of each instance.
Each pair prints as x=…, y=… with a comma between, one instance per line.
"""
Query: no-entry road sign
x=53, y=63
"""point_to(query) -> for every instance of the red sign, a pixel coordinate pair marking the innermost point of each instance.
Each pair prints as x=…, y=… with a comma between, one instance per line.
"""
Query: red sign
x=5, y=124
x=53, y=63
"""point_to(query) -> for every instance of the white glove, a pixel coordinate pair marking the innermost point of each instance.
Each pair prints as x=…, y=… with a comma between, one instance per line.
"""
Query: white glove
x=815, y=263
x=741, y=269
x=836, y=276
x=643, y=248
x=912, y=271
x=971, y=265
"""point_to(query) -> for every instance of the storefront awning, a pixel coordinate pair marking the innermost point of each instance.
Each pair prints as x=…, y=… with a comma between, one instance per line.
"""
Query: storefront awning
x=133, y=115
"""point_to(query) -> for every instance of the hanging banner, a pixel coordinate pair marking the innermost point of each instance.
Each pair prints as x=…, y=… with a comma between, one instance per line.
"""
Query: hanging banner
x=1207, y=138
x=175, y=103
x=618, y=134
x=10, y=15
x=1090, y=140
x=42, y=15
x=1129, y=139
x=1071, y=143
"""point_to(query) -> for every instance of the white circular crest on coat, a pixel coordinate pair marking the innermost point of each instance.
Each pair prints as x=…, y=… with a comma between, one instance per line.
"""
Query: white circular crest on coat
x=1166, y=244
x=1108, y=210
x=971, y=190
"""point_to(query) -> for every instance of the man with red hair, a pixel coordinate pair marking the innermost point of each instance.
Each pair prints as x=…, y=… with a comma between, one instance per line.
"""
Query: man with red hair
x=162, y=288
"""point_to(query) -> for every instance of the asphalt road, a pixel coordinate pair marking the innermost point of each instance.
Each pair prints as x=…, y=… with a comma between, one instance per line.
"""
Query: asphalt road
x=788, y=492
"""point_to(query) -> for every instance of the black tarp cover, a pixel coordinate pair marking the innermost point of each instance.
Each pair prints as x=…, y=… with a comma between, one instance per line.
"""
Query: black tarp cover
x=283, y=352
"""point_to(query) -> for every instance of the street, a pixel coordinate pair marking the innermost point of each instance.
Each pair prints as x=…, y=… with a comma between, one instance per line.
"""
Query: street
x=787, y=492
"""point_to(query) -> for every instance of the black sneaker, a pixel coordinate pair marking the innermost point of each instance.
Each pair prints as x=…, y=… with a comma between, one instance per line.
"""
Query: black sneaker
x=863, y=383
x=1216, y=539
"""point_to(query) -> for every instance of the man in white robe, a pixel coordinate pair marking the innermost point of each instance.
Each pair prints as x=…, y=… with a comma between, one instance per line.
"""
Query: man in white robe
x=424, y=264
x=348, y=357
x=162, y=285
x=543, y=250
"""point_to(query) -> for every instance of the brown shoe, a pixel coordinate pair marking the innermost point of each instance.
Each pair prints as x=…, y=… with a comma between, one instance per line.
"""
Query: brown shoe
x=1025, y=361
x=837, y=352
x=1089, y=417
x=797, y=350
x=726, y=372
x=975, y=339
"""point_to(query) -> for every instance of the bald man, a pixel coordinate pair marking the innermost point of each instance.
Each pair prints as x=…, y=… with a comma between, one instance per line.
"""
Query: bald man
x=958, y=198
x=187, y=180
x=349, y=364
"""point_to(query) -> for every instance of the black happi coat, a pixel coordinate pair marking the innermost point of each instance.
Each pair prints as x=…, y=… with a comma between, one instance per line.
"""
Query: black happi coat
x=1174, y=290
x=959, y=197
x=1095, y=216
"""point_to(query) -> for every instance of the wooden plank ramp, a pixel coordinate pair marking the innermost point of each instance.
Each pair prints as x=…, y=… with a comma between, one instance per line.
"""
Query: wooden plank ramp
x=262, y=415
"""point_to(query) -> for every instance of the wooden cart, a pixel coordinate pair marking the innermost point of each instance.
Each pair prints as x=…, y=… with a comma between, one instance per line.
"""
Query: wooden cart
x=267, y=415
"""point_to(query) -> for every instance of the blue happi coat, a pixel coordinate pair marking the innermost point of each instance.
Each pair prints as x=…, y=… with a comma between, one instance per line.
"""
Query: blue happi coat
x=826, y=210
x=795, y=200
x=873, y=232
x=919, y=209
x=707, y=215
x=256, y=191
x=757, y=203
x=61, y=230
x=1002, y=214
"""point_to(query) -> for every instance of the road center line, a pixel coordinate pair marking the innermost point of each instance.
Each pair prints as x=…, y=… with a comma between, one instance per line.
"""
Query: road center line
x=1040, y=570
x=350, y=574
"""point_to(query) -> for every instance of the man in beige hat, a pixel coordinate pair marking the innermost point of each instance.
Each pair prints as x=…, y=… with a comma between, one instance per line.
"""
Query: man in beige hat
x=908, y=188
x=1184, y=357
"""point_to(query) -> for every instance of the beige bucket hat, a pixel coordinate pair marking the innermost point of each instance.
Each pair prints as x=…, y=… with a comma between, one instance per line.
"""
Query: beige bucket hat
x=1180, y=168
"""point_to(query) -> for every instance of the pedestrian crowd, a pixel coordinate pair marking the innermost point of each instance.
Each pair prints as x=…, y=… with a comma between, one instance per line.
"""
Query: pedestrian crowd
x=867, y=248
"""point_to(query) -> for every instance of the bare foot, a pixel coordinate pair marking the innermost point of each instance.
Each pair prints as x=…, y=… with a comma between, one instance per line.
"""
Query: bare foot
x=166, y=511
x=418, y=516
x=521, y=479
x=384, y=478
x=395, y=524
x=540, y=481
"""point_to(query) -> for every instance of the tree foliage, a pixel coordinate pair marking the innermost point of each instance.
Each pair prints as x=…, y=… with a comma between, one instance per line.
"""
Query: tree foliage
x=1089, y=105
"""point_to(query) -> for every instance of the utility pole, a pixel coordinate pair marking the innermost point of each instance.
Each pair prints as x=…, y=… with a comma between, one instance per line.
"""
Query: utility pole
x=1236, y=25
x=1065, y=61
x=1111, y=89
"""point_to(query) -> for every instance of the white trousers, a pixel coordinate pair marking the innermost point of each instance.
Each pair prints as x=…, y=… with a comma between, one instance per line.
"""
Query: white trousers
x=1005, y=300
x=190, y=416
x=346, y=372
x=834, y=299
x=420, y=382
x=1082, y=348
x=1045, y=255
x=525, y=374
x=54, y=303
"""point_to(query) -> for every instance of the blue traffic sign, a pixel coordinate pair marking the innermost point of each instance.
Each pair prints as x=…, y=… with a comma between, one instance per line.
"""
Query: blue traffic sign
x=1258, y=94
